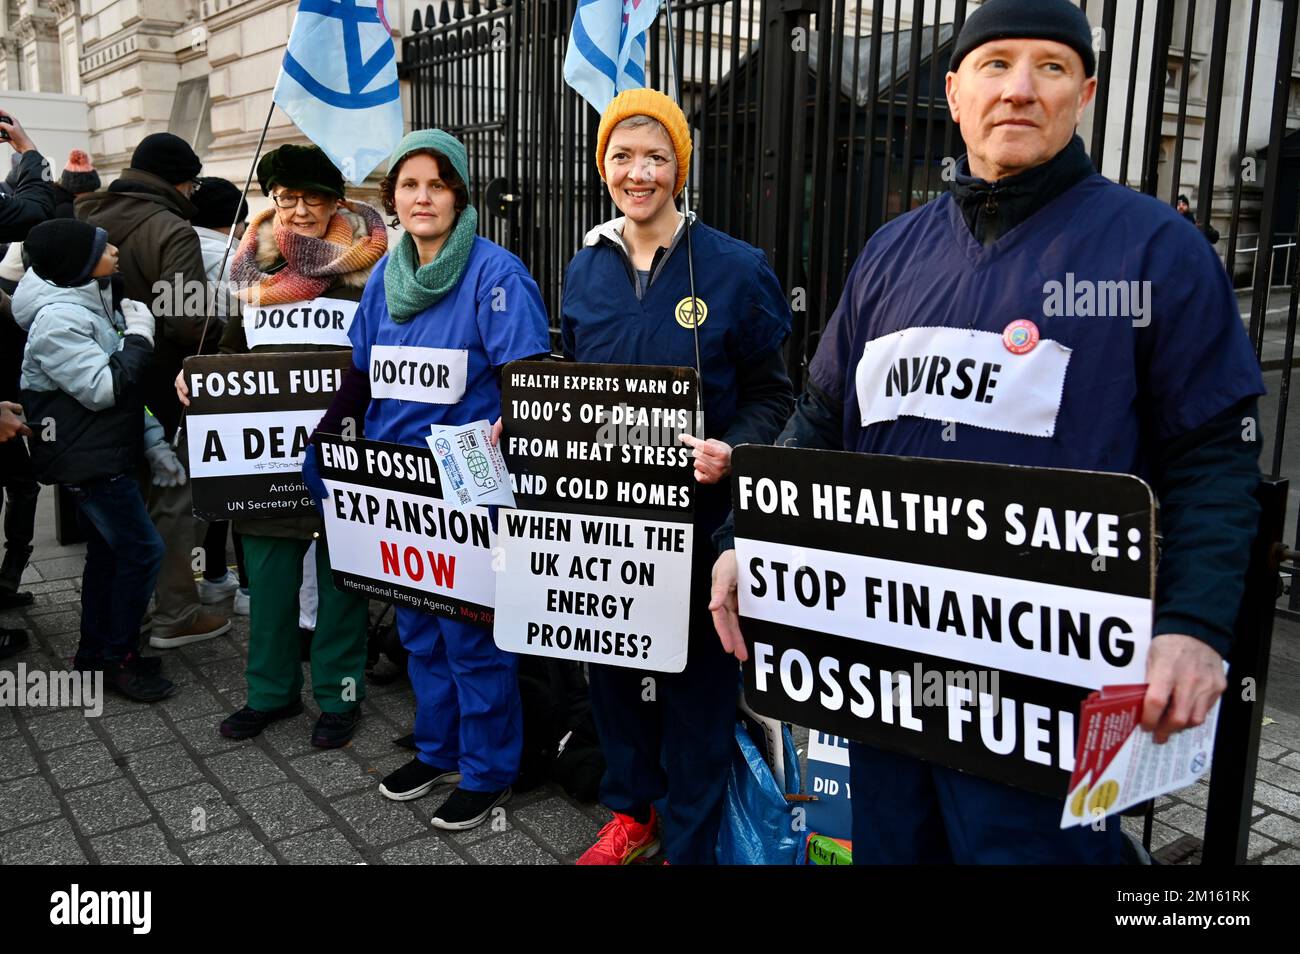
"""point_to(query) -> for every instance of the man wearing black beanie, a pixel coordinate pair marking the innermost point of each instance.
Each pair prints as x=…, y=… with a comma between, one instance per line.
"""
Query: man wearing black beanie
x=1155, y=383
x=147, y=214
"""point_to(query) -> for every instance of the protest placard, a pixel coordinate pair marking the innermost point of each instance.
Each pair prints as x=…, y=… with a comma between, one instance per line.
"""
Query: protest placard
x=596, y=560
x=957, y=612
x=248, y=427
x=392, y=537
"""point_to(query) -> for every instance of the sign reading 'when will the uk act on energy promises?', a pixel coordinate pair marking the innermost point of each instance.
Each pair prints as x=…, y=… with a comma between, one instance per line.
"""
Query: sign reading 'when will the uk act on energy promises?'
x=596, y=562
x=957, y=612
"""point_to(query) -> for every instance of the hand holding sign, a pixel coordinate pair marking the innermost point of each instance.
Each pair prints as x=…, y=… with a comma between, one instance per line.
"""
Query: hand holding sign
x=182, y=391
x=1184, y=681
x=712, y=458
x=725, y=606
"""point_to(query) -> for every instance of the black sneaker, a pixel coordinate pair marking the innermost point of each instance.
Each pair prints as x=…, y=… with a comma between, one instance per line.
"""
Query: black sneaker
x=406, y=742
x=10, y=601
x=12, y=642
x=248, y=722
x=138, y=681
x=465, y=809
x=414, y=780
x=334, y=729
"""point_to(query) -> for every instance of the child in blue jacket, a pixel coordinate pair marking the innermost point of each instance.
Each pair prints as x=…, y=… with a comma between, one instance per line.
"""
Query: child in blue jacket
x=85, y=355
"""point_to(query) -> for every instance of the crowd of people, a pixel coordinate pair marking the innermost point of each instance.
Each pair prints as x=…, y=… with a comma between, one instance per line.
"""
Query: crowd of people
x=1164, y=400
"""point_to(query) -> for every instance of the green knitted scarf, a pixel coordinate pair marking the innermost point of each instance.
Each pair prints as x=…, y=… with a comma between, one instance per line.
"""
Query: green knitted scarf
x=412, y=287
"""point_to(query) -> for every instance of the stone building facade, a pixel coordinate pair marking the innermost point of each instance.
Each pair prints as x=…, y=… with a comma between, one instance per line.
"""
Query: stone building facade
x=205, y=69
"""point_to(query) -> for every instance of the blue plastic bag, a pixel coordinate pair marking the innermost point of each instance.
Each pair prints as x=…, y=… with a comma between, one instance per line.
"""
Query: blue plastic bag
x=757, y=822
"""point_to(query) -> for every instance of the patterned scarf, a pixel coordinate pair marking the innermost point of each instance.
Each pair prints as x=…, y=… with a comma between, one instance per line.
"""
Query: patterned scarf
x=312, y=265
x=411, y=287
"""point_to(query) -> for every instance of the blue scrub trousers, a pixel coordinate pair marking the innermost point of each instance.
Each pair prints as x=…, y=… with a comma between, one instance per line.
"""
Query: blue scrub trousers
x=909, y=812
x=673, y=752
x=468, y=717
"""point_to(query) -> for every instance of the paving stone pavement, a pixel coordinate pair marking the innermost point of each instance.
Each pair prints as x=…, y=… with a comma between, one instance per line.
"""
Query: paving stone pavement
x=158, y=785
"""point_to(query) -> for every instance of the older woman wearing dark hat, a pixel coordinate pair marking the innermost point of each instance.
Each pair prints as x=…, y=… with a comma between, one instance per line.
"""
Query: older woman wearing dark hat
x=312, y=248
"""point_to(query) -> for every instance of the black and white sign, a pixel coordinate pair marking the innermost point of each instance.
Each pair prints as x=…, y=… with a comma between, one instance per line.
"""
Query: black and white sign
x=248, y=426
x=319, y=321
x=596, y=562
x=427, y=375
x=393, y=539
x=962, y=375
x=954, y=611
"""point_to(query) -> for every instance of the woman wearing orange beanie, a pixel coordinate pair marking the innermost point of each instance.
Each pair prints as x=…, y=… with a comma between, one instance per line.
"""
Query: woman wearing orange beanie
x=627, y=300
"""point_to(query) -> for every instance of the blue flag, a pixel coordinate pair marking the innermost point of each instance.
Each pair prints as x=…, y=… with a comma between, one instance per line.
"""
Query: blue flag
x=607, y=45
x=338, y=83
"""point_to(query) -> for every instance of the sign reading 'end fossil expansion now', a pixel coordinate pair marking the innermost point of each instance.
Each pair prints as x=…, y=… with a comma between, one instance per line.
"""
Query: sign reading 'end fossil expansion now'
x=954, y=611
x=248, y=426
x=596, y=562
x=392, y=537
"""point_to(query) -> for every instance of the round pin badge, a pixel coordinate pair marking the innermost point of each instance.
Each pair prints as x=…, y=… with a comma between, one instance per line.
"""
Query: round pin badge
x=1021, y=336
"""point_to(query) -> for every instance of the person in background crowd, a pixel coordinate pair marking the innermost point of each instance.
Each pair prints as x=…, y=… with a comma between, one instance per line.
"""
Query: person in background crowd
x=1184, y=207
x=146, y=214
x=77, y=179
x=313, y=248
x=26, y=200
x=87, y=349
x=1161, y=395
x=441, y=290
x=625, y=293
x=219, y=209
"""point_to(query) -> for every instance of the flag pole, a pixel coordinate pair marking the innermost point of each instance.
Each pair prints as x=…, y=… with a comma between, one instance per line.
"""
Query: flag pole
x=225, y=255
x=688, y=215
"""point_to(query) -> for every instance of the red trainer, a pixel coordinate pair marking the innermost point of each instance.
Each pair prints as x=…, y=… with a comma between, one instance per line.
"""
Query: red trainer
x=623, y=841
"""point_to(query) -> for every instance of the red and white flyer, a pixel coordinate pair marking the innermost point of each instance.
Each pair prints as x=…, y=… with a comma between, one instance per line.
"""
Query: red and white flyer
x=1117, y=764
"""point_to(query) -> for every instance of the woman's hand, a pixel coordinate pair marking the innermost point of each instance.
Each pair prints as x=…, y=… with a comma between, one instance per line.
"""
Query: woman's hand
x=182, y=392
x=712, y=458
x=495, y=436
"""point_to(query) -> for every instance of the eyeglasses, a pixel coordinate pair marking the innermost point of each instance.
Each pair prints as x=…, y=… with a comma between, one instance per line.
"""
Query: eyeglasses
x=196, y=185
x=288, y=200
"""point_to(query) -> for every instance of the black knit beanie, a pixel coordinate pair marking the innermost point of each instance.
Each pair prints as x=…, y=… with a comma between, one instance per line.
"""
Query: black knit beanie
x=65, y=251
x=167, y=156
x=79, y=176
x=1058, y=20
x=216, y=202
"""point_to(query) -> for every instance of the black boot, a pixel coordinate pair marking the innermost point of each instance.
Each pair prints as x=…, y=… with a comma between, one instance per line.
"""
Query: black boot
x=11, y=575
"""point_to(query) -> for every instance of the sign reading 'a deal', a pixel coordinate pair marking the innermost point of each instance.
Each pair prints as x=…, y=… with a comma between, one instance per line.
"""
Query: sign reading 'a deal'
x=249, y=422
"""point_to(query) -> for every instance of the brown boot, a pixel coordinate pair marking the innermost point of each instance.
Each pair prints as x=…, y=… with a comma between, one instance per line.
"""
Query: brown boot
x=204, y=626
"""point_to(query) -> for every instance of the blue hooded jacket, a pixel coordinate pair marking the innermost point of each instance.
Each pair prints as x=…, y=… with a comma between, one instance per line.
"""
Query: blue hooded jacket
x=80, y=383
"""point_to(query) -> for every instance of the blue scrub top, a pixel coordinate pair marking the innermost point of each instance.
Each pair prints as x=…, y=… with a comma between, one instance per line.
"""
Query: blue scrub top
x=746, y=315
x=1128, y=377
x=494, y=315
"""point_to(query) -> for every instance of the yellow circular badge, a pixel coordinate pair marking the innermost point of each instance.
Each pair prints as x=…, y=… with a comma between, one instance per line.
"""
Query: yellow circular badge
x=1103, y=796
x=685, y=318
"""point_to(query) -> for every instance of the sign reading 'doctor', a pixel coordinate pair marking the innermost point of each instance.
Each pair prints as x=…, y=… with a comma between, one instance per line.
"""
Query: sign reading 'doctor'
x=392, y=538
x=250, y=419
x=596, y=562
x=953, y=611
